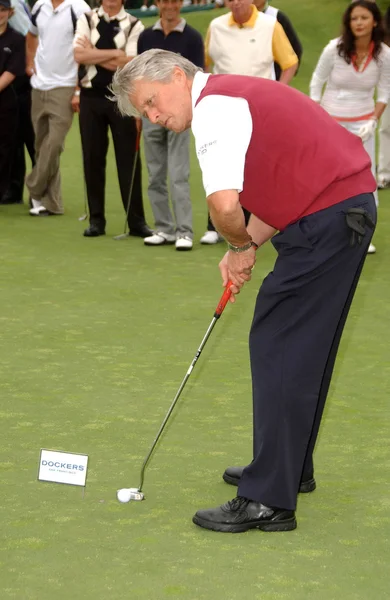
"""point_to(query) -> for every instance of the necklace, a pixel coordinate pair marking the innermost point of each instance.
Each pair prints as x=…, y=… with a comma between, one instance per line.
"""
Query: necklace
x=361, y=60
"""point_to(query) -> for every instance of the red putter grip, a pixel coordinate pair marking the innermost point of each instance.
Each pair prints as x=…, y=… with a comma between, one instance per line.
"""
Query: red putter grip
x=223, y=301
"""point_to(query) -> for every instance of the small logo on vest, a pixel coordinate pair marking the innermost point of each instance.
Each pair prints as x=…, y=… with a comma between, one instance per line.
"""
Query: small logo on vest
x=203, y=149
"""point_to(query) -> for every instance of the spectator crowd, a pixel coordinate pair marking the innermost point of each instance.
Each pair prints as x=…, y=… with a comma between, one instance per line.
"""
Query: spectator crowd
x=58, y=58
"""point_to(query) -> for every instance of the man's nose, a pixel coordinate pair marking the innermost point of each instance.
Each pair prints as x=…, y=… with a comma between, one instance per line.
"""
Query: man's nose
x=153, y=115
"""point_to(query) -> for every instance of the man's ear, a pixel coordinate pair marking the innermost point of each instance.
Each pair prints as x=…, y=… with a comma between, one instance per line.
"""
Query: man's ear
x=178, y=76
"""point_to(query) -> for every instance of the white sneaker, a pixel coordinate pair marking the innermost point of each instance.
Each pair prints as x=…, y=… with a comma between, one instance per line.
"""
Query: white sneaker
x=159, y=239
x=211, y=237
x=38, y=211
x=183, y=243
x=383, y=184
x=371, y=249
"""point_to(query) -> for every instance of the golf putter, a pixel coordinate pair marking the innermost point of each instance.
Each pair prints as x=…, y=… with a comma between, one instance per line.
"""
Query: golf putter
x=123, y=235
x=85, y=215
x=86, y=209
x=137, y=493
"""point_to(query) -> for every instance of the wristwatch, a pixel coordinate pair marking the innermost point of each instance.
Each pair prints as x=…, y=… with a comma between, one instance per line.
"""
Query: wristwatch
x=244, y=248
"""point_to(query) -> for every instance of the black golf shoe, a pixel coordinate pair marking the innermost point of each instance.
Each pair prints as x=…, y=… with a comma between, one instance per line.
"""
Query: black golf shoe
x=240, y=514
x=232, y=475
x=93, y=231
x=142, y=231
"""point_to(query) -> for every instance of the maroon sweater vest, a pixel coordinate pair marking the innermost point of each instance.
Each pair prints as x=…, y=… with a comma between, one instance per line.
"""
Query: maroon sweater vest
x=299, y=160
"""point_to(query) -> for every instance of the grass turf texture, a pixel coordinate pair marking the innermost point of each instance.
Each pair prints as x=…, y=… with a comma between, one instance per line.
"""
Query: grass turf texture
x=96, y=338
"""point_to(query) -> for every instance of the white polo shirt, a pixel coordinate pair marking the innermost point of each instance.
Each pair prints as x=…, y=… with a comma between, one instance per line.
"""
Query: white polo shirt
x=222, y=127
x=55, y=65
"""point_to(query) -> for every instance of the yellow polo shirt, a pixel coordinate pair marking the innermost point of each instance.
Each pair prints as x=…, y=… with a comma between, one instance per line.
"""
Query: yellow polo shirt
x=280, y=50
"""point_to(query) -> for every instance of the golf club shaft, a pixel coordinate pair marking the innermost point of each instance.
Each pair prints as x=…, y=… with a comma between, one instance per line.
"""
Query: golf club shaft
x=85, y=194
x=218, y=312
x=86, y=209
x=136, y=153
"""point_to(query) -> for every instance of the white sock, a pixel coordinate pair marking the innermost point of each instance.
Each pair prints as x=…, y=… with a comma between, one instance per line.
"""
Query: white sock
x=36, y=203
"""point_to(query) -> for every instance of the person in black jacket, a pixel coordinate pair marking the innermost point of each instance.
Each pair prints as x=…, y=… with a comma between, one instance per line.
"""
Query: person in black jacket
x=24, y=136
x=264, y=6
x=12, y=65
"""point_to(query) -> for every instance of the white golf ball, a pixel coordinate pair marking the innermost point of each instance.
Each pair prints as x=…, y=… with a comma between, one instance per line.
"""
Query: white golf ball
x=124, y=495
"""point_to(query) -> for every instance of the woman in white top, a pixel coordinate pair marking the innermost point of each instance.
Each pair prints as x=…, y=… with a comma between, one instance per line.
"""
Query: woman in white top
x=353, y=67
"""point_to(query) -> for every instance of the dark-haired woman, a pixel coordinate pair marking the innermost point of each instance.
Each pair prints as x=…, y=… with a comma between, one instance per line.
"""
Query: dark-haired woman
x=353, y=67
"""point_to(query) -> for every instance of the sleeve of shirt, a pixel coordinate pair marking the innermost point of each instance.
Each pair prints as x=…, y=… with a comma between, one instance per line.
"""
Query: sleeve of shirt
x=82, y=30
x=222, y=141
x=21, y=19
x=34, y=15
x=16, y=63
x=132, y=42
x=322, y=71
x=196, y=54
x=282, y=50
x=80, y=8
x=207, y=59
x=383, y=87
x=291, y=34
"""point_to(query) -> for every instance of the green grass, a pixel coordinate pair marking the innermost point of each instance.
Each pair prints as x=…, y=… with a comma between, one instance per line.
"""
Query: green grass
x=96, y=338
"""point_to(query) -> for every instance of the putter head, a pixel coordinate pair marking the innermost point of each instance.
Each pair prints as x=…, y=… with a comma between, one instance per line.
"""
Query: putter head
x=122, y=236
x=136, y=494
x=83, y=218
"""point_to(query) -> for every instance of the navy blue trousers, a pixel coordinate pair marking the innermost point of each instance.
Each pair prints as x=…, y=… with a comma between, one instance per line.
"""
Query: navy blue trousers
x=300, y=313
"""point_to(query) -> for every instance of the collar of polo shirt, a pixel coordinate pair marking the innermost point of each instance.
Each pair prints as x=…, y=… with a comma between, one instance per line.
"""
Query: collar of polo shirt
x=179, y=27
x=122, y=14
x=251, y=22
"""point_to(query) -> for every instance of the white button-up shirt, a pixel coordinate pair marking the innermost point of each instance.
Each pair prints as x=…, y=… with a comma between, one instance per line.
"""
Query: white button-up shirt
x=222, y=127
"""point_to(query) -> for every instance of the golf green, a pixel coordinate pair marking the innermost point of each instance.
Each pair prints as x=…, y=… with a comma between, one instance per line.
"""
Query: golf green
x=96, y=336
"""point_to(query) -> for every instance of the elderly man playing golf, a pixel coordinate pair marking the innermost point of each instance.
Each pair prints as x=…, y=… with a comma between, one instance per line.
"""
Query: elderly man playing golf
x=308, y=185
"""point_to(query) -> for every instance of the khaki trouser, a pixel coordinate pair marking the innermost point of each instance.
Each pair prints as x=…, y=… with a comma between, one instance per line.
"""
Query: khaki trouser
x=52, y=115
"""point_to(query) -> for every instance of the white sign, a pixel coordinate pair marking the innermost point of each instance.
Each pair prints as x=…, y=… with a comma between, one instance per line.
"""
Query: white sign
x=63, y=467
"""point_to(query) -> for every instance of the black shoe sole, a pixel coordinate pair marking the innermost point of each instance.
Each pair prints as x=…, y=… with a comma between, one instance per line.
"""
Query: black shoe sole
x=141, y=234
x=92, y=235
x=263, y=525
x=305, y=488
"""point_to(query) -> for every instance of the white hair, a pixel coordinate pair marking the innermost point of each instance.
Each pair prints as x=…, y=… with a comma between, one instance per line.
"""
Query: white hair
x=152, y=65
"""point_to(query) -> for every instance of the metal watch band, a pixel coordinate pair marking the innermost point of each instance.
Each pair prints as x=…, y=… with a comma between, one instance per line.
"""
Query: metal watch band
x=242, y=248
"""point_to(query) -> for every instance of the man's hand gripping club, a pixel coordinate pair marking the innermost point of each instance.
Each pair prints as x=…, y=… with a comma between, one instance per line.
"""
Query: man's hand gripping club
x=228, y=218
